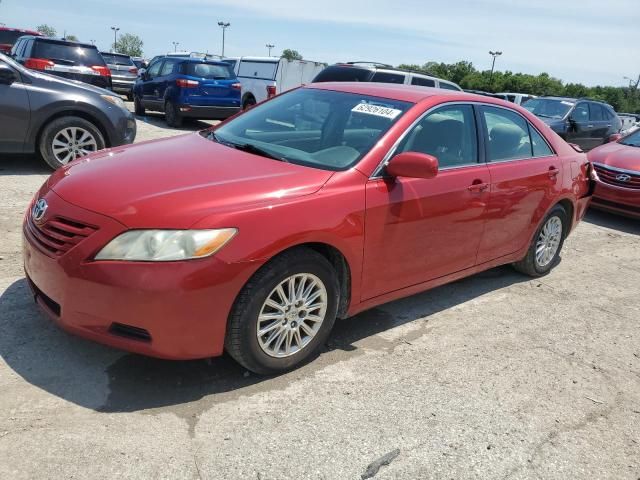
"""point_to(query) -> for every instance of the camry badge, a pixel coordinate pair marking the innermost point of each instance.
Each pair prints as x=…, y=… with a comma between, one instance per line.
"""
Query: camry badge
x=623, y=177
x=39, y=209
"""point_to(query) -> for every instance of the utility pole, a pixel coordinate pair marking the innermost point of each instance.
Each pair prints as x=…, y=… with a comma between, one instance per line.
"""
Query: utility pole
x=493, y=65
x=270, y=46
x=175, y=46
x=115, y=38
x=633, y=84
x=224, y=26
x=93, y=42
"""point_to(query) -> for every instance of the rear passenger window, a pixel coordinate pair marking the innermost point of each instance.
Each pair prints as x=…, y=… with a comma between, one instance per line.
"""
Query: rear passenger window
x=423, y=82
x=448, y=86
x=167, y=68
x=597, y=115
x=540, y=146
x=387, y=77
x=448, y=133
x=507, y=134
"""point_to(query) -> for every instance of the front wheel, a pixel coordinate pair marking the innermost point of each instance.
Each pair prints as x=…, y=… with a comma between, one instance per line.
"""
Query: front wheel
x=67, y=138
x=284, y=313
x=545, y=248
x=138, y=107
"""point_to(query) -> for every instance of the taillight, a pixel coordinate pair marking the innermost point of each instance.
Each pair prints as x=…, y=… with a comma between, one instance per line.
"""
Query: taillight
x=236, y=86
x=102, y=71
x=184, y=83
x=133, y=70
x=271, y=91
x=39, y=64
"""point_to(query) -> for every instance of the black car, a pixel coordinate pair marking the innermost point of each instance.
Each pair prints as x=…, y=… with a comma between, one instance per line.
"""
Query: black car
x=585, y=122
x=73, y=60
x=60, y=119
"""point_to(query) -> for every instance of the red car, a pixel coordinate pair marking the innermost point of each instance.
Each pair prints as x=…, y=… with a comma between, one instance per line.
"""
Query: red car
x=255, y=235
x=8, y=37
x=617, y=165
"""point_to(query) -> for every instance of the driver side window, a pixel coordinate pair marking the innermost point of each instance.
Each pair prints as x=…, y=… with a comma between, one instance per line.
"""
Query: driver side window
x=581, y=113
x=448, y=133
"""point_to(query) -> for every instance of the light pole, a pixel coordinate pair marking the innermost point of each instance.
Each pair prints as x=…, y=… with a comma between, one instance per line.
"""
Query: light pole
x=115, y=37
x=175, y=46
x=269, y=46
x=493, y=65
x=224, y=26
x=93, y=42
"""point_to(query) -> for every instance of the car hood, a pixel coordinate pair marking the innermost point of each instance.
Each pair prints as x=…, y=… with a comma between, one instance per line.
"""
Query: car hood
x=52, y=80
x=617, y=155
x=175, y=182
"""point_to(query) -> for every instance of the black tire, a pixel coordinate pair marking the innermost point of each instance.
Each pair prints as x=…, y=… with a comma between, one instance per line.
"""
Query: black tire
x=138, y=108
x=529, y=265
x=241, y=340
x=130, y=97
x=248, y=102
x=172, y=116
x=53, y=128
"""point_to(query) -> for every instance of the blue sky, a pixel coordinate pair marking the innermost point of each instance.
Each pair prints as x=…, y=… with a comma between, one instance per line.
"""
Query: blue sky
x=587, y=41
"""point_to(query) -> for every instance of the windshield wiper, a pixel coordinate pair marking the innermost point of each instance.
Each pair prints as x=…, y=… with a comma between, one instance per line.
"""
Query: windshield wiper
x=246, y=147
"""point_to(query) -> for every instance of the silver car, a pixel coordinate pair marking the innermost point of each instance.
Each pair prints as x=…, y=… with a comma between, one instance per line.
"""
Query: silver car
x=123, y=72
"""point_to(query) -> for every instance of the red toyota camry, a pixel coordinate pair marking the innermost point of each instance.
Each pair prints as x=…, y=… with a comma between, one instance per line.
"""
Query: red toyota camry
x=617, y=165
x=255, y=235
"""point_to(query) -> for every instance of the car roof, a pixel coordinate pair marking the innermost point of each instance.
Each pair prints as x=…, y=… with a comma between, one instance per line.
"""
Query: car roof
x=118, y=54
x=564, y=99
x=64, y=42
x=393, y=91
x=192, y=59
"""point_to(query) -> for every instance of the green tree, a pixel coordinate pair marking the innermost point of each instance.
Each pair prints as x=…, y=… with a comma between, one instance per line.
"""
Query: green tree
x=46, y=30
x=71, y=38
x=129, y=44
x=291, y=54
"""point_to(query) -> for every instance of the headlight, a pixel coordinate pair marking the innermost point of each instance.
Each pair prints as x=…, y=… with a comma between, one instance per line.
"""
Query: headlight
x=165, y=245
x=117, y=101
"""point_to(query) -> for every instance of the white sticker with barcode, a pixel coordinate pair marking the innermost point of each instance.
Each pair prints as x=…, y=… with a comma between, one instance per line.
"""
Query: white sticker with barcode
x=377, y=110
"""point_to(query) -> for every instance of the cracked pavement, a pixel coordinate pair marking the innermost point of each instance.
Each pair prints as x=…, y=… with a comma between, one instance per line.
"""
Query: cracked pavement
x=496, y=376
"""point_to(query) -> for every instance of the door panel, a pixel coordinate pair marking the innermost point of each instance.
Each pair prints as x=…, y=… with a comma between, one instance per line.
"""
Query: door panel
x=421, y=229
x=15, y=115
x=581, y=128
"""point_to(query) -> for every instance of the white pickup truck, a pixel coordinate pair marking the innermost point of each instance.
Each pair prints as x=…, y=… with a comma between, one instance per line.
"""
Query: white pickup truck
x=264, y=77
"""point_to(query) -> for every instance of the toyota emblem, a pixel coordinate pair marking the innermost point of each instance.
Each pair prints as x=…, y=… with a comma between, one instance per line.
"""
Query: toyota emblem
x=39, y=209
x=623, y=177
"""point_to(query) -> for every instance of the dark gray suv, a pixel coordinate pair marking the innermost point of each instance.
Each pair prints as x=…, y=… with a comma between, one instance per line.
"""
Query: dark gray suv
x=58, y=118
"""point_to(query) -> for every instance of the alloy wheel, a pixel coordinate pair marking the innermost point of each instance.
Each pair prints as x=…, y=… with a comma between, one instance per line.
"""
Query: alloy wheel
x=548, y=241
x=71, y=143
x=292, y=315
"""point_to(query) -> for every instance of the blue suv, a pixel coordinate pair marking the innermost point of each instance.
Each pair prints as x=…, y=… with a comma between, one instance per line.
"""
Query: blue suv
x=187, y=88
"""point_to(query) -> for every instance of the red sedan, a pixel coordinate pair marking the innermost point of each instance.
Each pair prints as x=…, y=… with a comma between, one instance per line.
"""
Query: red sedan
x=255, y=235
x=617, y=165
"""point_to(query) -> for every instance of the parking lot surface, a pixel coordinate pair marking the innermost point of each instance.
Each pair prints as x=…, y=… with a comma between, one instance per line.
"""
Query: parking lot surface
x=496, y=376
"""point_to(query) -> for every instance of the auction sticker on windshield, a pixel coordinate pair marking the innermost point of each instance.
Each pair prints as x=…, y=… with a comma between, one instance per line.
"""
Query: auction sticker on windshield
x=377, y=110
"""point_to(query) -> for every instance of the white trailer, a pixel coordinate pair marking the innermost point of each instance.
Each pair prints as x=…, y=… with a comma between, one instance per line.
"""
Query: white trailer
x=264, y=77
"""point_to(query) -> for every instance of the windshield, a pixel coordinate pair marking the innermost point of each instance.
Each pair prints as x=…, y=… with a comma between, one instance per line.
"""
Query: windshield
x=632, y=140
x=548, y=108
x=317, y=128
x=112, y=59
x=209, y=71
x=67, y=54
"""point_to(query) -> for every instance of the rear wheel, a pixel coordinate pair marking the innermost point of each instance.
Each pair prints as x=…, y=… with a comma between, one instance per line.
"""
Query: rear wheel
x=547, y=243
x=284, y=313
x=172, y=116
x=138, y=107
x=248, y=102
x=67, y=138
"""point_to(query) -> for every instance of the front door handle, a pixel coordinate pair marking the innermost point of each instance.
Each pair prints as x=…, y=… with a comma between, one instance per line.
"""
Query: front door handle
x=478, y=187
x=553, y=172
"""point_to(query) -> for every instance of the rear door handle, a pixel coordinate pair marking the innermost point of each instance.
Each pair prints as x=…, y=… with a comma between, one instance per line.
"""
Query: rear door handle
x=553, y=172
x=478, y=187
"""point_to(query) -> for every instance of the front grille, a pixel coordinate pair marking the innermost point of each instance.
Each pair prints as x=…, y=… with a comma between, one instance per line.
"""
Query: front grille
x=57, y=235
x=130, y=332
x=609, y=175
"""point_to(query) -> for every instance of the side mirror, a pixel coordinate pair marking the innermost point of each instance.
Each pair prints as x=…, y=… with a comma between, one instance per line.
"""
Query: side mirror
x=7, y=75
x=413, y=165
x=615, y=137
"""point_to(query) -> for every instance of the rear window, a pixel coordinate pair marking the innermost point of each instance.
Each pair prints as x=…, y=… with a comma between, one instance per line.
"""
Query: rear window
x=450, y=86
x=424, y=82
x=343, y=74
x=68, y=54
x=8, y=37
x=112, y=59
x=209, y=71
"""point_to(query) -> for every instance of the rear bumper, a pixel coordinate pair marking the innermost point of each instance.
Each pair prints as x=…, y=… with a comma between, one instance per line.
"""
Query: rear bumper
x=207, y=112
x=122, y=86
x=624, y=201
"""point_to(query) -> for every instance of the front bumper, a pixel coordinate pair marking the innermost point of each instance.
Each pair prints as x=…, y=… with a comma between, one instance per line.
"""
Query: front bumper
x=172, y=310
x=623, y=201
x=207, y=112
